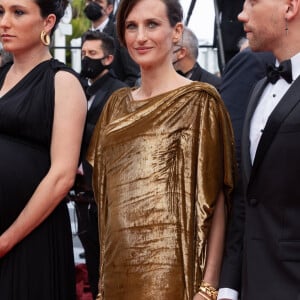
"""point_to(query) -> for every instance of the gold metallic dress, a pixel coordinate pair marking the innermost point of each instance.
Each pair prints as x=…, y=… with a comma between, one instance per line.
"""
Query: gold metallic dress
x=159, y=165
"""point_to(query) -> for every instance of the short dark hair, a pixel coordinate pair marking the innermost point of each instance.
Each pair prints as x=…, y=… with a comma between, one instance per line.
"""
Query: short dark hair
x=56, y=7
x=174, y=13
x=108, y=44
x=190, y=41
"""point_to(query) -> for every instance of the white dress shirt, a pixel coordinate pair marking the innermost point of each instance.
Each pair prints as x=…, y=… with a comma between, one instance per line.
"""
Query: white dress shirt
x=268, y=101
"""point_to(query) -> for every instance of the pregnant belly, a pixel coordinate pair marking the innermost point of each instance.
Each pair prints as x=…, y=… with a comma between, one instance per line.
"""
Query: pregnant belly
x=22, y=167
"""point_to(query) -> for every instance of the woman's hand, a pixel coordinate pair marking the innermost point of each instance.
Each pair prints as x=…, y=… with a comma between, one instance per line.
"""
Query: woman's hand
x=4, y=246
x=200, y=297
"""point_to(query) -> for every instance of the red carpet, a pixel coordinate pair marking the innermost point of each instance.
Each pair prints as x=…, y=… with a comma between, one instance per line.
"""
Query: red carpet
x=82, y=284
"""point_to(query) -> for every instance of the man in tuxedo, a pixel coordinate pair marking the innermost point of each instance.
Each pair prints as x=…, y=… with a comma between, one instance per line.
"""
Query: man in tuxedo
x=100, y=13
x=97, y=58
x=185, y=60
x=262, y=252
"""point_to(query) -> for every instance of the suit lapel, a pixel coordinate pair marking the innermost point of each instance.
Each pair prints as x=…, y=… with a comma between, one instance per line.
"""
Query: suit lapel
x=97, y=106
x=99, y=88
x=279, y=114
x=245, y=142
x=197, y=73
x=98, y=98
x=110, y=28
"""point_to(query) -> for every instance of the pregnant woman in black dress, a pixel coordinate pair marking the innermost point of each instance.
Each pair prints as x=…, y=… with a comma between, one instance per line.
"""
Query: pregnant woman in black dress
x=42, y=115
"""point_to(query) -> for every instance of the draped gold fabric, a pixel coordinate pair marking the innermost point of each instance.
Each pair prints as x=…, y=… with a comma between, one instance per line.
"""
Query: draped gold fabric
x=159, y=165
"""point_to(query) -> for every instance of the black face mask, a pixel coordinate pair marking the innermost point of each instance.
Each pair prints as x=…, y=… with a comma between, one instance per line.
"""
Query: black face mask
x=91, y=68
x=93, y=11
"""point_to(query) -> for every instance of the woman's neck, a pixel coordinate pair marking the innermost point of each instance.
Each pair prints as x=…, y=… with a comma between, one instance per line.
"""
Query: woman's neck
x=156, y=82
x=24, y=62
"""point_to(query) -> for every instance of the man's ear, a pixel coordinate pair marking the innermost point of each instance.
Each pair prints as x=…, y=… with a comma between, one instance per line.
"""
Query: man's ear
x=182, y=53
x=292, y=9
x=108, y=60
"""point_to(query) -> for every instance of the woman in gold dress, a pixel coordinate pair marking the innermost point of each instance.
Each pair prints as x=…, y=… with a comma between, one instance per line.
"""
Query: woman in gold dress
x=163, y=170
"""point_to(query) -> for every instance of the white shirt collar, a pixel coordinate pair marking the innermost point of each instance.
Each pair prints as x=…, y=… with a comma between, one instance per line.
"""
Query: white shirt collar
x=101, y=26
x=295, y=60
x=296, y=65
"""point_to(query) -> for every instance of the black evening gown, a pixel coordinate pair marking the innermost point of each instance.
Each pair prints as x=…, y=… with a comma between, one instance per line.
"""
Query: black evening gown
x=41, y=266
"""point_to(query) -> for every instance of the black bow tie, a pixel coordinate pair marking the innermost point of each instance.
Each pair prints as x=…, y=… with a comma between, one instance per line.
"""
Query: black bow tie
x=284, y=70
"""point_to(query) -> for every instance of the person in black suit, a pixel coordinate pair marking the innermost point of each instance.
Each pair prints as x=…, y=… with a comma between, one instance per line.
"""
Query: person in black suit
x=97, y=57
x=231, y=29
x=185, y=56
x=262, y=253
x=100, y=13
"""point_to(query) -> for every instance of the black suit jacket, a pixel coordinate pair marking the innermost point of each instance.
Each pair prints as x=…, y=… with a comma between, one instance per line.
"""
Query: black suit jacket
x=200, y=74
x=124, y=67
x=240, y=75
x=263, y=242
x=102, y=90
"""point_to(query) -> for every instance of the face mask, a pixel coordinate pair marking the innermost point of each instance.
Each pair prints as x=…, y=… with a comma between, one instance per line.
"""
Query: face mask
x=180, y=73
x=91, y=68
x=93, y=11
